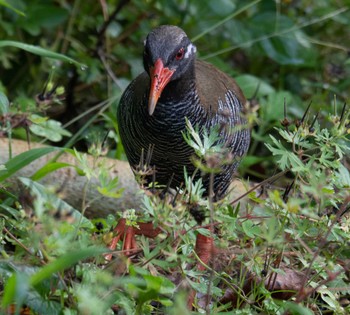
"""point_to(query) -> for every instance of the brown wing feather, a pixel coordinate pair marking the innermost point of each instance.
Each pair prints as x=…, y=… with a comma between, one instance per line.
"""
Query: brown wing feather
x=212, y=85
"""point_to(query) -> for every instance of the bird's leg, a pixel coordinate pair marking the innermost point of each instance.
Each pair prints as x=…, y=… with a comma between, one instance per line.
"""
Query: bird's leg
x=205, y=250
x=127, y=234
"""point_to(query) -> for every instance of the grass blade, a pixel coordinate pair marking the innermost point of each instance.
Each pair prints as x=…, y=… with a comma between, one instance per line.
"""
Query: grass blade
x=36, y=50
x=64, y=262
x=21, y=160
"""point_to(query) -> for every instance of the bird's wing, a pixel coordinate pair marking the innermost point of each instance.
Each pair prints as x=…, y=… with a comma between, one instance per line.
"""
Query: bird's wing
x=214, y=85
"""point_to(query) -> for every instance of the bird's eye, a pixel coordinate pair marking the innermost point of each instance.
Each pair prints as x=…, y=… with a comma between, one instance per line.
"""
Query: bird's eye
x=180, y=54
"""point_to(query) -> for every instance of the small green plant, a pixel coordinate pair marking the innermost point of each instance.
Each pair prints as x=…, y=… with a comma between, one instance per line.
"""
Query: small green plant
x=283, y=239
x=283, y=251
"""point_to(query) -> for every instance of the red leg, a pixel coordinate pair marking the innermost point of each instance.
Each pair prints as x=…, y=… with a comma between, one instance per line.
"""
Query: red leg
x=205, y=250
x=127, y=234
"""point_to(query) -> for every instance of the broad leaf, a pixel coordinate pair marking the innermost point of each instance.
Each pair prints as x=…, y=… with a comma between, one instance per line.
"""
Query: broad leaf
x=21, y=160
x=251, y=85
x=48, y=128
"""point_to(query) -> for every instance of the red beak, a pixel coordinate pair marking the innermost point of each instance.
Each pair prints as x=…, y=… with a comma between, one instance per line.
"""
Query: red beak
x=160, y=77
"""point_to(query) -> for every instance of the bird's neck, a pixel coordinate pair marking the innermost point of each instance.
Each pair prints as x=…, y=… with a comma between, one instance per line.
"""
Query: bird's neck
x=181, y=90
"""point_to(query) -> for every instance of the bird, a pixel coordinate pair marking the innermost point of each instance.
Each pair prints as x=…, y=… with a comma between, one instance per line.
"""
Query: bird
x=153, y=111
x=176, y=86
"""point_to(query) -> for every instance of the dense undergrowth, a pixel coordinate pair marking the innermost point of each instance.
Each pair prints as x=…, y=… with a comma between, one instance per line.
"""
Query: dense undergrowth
x=282, y=241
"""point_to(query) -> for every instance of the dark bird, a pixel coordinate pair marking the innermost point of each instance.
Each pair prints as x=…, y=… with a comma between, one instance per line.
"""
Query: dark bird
x=152, y=114
x=175, y=86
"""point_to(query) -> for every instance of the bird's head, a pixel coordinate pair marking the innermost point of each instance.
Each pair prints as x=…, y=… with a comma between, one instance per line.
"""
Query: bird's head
x=168, y=55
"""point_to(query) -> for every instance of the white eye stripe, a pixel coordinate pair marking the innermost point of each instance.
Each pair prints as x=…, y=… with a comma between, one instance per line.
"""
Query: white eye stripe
x=191, y=49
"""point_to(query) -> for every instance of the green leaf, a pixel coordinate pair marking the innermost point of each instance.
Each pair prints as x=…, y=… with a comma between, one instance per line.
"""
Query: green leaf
x=271, y=230
x=4, y=104
x=250, y=160
x=9, y=291
x=294, y=49
x=49, y=168
x=343, y=176
x=23, y=159
x=273, y=108
x=279, y=151
x=161, y=284
x=204, y=232
x=9, y=6
x=41, y=305
x=16, y=290
x=250, y=228
x=13, y=212
x=43, y=15
x=64, y=262
x=155, y=286
x=198, y=286
x=287, y=158
x=36, y=50
x=110, y=191
x=48, y=128
x=285, y=51
x=296, y=309
x=251, y=85
x=295, y=137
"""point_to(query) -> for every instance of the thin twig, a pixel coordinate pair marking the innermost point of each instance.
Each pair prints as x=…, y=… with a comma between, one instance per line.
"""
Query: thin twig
x=103, y=29
x=21, y=244
x=108, y=69
x=268, y=180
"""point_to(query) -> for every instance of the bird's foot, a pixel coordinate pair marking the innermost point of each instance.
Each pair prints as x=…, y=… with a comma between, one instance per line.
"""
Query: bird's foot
x=127, y=234
x=205, y=248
